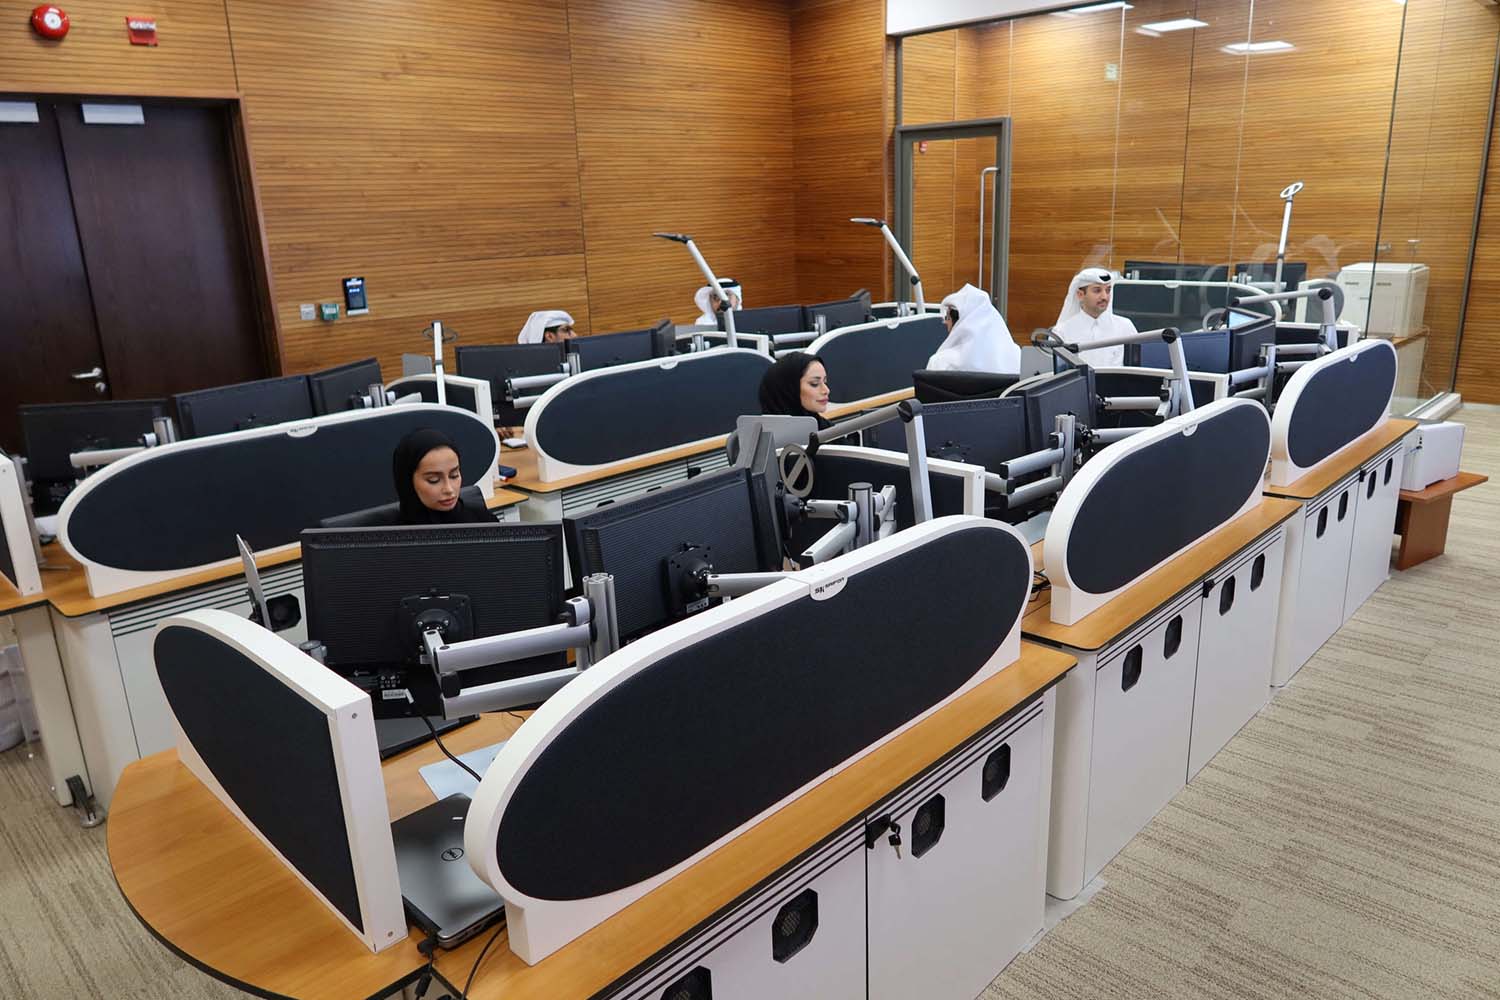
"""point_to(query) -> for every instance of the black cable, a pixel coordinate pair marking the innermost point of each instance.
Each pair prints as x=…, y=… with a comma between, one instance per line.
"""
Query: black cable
x=439, y=741
x=464, y=995
x=1039, y=583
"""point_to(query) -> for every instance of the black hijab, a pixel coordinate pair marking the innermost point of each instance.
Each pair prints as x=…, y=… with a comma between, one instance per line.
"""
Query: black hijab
x=781, y=387
x=409, y=453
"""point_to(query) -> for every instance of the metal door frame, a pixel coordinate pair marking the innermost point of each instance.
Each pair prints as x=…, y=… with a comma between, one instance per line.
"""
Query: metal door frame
x=907, y=136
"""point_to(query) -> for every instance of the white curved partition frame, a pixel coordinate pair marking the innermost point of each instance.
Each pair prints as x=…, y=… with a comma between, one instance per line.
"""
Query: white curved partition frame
x=1299, y=398
x=551, y=468
x=16, y=529
x=104, y=579
x=350, y=735
x=1071, y=601
x=538, y=927
x=970, y=476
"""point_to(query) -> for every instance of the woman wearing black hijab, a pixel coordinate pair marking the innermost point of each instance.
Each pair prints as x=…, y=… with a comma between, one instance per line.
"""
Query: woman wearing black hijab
x=428, y=480
x=796, y=386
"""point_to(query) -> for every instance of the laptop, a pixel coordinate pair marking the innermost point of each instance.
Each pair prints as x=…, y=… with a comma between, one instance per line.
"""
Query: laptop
x=443, y=895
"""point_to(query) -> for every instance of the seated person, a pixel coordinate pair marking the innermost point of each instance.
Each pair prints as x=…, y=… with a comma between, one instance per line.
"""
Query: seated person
x=546, y=326
x=796, y=386
x=978, y=339
x=425, y=466
x=1088, y=314
x=711, y=303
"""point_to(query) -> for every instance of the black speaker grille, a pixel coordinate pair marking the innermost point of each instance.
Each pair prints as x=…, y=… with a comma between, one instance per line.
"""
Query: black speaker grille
x=1339, y=403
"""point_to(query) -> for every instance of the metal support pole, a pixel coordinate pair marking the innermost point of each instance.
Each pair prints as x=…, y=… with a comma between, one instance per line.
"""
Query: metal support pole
x=437, y=362
x=713, y=281
x=599, y=588
x=863, y=496
x=1287, y=194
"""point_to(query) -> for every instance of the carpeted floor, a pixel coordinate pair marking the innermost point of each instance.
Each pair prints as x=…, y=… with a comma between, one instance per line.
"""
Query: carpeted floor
x=1346, y=844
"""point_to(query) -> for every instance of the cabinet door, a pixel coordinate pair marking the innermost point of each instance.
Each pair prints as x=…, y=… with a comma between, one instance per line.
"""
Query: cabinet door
x=1378, y=493
x=1327, y=536
x=964, y=895
x=1236, y=643
x=1143, y=709
x=804, y=940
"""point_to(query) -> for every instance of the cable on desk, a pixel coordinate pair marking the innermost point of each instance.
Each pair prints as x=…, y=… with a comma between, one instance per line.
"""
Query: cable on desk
x=428, y=948
x=1039, y=584
x=439, y=741
x=475, y=971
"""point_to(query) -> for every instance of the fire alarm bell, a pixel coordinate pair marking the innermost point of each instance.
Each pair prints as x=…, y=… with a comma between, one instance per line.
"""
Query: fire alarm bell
x=49, y=21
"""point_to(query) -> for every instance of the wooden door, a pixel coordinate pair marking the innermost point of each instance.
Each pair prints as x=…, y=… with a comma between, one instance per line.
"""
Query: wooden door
x=163, y=237
x=47, y=329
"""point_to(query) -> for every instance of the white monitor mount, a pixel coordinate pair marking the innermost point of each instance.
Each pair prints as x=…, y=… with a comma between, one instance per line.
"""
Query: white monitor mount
x=709, y=276
x=890, y=239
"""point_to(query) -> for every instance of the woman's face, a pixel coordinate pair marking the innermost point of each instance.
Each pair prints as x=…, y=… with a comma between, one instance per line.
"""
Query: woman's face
x=814, y=388
x=555, y=333
x=438, y=479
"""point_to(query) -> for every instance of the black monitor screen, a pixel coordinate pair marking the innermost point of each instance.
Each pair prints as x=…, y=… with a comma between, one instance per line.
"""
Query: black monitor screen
x=664, y=338
x=983, y=432
x=1248, y=333
x=335, y=390
x=495, y=363
x=1205, y=351
x=53, y=431
x=769, y=320
x=950, y=386
x=605, y=350
x=457, y=394
x=849, y=312
x=725, y=514
x=833, y=475
x=243, y=406
x=357, y=578
x=1293, y=273
x=1046, y=399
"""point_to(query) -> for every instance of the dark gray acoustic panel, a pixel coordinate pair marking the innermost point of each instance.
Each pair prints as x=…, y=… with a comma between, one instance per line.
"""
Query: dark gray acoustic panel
x=1153, y=502
x=182, y=507
x=461, y=396
x=710, y=736
x=873, y=362
x=1339, y=403
x=270, y=751
x=618, y=415
x=834, y=474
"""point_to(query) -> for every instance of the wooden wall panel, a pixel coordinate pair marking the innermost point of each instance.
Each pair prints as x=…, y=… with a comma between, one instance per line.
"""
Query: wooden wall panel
x=841, y=101
x=929, y=69
x=440, y=166
x=1216, y=108
x=194, y=58
x=683, y=127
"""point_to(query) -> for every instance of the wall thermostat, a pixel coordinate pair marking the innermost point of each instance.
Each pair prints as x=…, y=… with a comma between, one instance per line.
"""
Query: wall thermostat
x=49, y=21
x=354, y=297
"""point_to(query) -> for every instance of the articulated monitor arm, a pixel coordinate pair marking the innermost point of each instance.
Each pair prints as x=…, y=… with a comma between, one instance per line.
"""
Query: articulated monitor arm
x=891, y=241
x=909, y=412
x=1180, y=399
x=1058, y=460
x=709, y=276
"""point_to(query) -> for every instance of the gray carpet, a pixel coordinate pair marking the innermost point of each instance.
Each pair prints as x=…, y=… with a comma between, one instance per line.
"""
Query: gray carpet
x=1345, y=844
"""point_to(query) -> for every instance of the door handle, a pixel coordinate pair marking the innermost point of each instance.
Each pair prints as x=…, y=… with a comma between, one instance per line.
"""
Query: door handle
x=88, y=376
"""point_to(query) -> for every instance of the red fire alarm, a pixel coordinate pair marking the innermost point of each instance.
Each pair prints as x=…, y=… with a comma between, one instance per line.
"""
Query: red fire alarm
x=49, y=21
x=142, y=30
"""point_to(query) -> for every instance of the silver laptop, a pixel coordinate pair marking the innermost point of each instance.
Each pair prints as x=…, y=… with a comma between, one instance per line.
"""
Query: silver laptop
x=443, y=895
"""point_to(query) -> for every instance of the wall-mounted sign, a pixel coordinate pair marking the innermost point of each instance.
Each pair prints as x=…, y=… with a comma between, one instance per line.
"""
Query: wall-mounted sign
x=50, y=21
x=142, y=30
x=354, y=297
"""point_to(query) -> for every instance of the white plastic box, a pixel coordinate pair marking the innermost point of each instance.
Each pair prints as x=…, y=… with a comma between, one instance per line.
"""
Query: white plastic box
x=1393, y=296
x=1432, y=454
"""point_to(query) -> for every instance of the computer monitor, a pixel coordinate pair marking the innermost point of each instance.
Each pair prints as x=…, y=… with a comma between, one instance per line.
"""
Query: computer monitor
x=664, y=338
x=228, y=408
x=1293, y=273
x=497, y=362
x=606, y=350
x=1047, y=398
x=1248, y=333
x=983, y=432
x=1204, y=351
x=335, y=390
x=848, y=312
x=364, y=586
x=51, y=432
x=769, y=320
x=651, y=543
x=950, y=386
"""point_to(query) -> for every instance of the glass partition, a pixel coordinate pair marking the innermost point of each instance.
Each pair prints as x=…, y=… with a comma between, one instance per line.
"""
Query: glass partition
x=1156, y=137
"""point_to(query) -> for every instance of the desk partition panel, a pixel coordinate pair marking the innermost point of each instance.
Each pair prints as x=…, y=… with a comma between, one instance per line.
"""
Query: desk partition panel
x=873, y=359
x=1328, y=405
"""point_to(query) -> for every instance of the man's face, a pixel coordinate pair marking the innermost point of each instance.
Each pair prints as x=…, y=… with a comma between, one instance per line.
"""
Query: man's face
x=1094, y=299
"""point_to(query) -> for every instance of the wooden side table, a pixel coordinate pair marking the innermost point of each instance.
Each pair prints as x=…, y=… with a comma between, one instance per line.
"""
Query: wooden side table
x=1422, y=518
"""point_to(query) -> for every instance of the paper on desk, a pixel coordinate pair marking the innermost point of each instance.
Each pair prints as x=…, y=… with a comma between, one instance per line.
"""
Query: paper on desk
x=47, y=525
x=446, y=778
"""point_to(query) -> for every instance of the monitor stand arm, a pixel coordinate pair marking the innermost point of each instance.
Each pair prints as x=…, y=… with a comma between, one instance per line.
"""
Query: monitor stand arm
x=588, y=627
x=1059, y=461
x=1181, y=398
x=909, y=412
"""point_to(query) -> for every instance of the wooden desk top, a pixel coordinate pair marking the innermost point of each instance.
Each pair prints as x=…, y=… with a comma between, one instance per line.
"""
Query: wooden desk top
x=630, y=937
x=1361, y=451
x=1444, y=488
x=213, y=894
x=11, y=599
x=1101, y=627
x=66, y=588
x=523, y=460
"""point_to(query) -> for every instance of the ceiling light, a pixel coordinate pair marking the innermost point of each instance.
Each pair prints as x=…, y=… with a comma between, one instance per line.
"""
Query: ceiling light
x=1095, y=7
x=1179, y=24
x=1247, y=48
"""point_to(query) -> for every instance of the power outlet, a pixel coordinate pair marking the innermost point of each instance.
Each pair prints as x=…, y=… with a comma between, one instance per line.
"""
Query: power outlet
x=309, y=310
